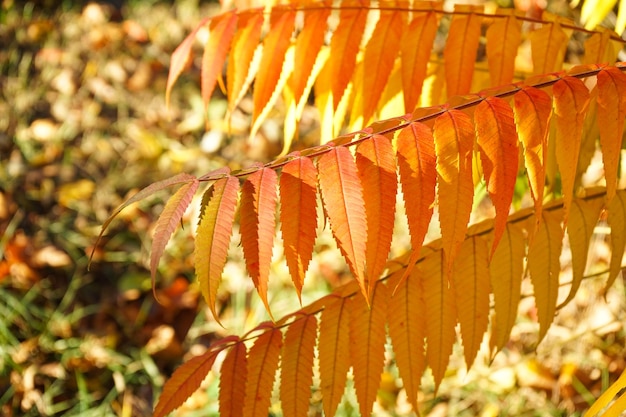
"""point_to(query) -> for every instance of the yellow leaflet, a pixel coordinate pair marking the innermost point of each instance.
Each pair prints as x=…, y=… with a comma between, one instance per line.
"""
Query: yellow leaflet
x=617, y=221
x=593, y=12
x=582, y=222
x=609, y=395
x=506, y=270
x=471, y=290
x=441, y=313
x=544, y=268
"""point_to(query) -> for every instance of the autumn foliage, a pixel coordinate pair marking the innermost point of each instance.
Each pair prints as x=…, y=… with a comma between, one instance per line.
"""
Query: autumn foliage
x=534, y=120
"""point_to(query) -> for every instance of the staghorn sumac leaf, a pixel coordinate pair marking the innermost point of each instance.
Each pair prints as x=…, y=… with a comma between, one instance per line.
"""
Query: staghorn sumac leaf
x=273, y=63
x=544, y=268
x=461, y=47
x=213, y=237
x=454, y=145
x=441, y=313
x=617, y=221
x=222, y=32
x=471, y=291
x=168, y=220
x=499, y=153
x=308, y=44
x=406, y=319
x=376, y=165
x=242, y=51
x=296, y=373
x=258, y=226
x=379, y=56
x=599, y=47
x=506, y=270
x=263, y=359
x=342, y=195
x=611, y=116
x=233, y=375
x=334, y=352
x=607, y=405
x=367, y=345
x=532, y=110
x=418, y=176
x=344, y=46
x=582, y=222
x=548, y=46
x=180, y=59
x=298, y=216
x=415, y=50
x=503, y=39
x=187, y=379
x=571, y=99
x=182, y=178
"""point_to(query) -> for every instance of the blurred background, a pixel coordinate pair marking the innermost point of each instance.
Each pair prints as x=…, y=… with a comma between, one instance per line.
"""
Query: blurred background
x=83, y=126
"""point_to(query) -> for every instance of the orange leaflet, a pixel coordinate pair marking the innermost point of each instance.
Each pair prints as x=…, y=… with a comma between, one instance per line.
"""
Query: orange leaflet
x=185, y=380
x=180, y=59
x=296, y=374
x=611, y=116
x=263, y=360
x=222, y=32
x=244, y=44
x=213, y=236
x=418, y=176
x=376, y=163
x=407, y=329
x=548, y=46
x=167, y=222
x=533, y=109
x=582, y=222
x=415, y=48
x=233, y=374
x=342, y=195
x=544, y=268
x=298, y=215
x=499, y=154
x=503, y=39
x=258, y=223
x=454, y=145
x=506, y=269
x=274, y=47
x=471, y=291
x=571, y=99
x=379, y=57
x=334, y=352
x=461, y=47
x=308, y=45
x=367, y=328
x=441, y=313
x=344, y=46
